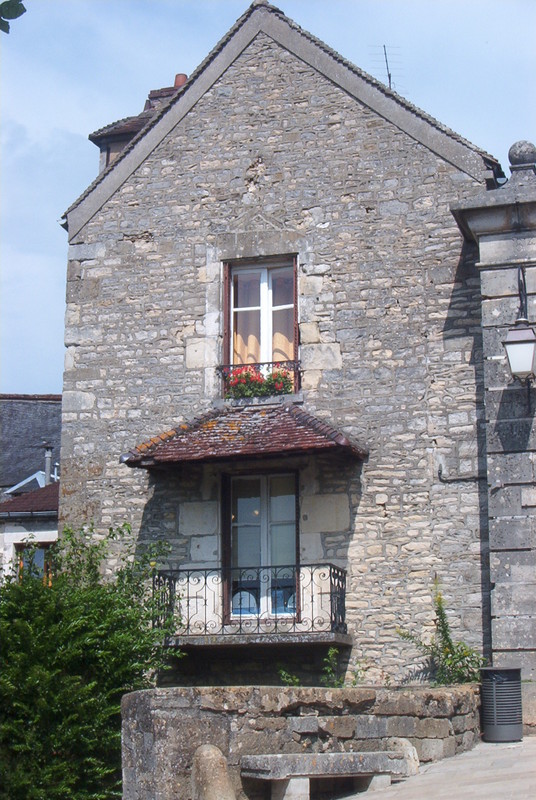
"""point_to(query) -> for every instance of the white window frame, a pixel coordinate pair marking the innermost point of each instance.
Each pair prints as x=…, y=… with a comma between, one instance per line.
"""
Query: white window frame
x=266, y=307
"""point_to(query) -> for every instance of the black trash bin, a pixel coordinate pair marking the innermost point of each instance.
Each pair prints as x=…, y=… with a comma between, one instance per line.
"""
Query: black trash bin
x=502, y=718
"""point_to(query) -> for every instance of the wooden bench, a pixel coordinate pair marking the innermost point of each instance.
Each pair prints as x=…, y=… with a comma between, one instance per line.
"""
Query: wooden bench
x=290, y=773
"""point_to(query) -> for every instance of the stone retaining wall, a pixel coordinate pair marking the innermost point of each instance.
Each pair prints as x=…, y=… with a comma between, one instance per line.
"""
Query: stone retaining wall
x=163, y=727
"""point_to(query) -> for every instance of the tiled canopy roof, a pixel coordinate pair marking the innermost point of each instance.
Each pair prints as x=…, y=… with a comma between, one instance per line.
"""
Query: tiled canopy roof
x=40, y=501
x=246, y=432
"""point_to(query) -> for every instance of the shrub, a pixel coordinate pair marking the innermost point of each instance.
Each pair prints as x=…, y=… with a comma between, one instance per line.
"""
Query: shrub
x=71, y=647
x=288, y=678
x=450, y=661
x=330, y=671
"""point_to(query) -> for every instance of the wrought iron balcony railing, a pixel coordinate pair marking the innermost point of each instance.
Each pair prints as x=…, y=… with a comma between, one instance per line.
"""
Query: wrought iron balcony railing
x=252, y=600
x=265, y=379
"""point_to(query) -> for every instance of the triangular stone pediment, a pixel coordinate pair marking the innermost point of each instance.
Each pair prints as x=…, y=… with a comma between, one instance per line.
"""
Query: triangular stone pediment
x=262, y=17
x=246, y=223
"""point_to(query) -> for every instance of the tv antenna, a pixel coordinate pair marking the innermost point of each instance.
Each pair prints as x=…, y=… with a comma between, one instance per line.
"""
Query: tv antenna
x=387, y=58
x=387, y=67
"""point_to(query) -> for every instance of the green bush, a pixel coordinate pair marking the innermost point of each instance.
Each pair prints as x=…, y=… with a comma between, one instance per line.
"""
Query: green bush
x=330, y=671
x=288, y=678
x=71, y=645
x=450, y=661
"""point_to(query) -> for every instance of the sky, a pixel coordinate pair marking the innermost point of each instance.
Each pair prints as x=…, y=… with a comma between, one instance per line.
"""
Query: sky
x=69, y=67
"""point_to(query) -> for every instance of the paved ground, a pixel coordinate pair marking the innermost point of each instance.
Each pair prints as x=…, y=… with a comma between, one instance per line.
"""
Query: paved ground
x=488, y=772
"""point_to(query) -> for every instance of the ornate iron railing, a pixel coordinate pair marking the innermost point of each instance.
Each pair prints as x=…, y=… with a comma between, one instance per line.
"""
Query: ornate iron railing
x=252, y=600
x=265, y=379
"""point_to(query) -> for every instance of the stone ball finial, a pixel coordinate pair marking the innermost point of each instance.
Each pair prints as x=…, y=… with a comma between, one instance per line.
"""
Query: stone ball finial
x=522, y=153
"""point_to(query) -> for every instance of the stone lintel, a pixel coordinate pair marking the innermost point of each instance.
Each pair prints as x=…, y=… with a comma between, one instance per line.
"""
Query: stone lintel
x=496, y=214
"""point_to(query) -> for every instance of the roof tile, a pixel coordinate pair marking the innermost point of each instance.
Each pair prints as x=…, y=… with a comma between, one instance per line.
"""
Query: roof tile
x=44, y=499
x=243, y=432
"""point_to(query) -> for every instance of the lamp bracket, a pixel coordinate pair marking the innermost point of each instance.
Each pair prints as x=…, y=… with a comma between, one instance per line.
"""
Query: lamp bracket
x=522, y=315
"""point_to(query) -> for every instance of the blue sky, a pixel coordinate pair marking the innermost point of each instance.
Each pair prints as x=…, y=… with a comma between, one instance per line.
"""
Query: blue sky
x=68, y=67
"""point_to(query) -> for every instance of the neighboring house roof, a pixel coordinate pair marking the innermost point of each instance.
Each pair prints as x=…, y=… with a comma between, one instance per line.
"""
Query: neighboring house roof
x=129, y=126
x=243, y=432
x=265, y=18
x=27, y=421
x=123, y=127
x=43, y=501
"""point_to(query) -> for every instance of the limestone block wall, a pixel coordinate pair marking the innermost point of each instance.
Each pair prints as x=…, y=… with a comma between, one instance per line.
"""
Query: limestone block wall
x=275, y=159
x=163, y=727
x=511, y=467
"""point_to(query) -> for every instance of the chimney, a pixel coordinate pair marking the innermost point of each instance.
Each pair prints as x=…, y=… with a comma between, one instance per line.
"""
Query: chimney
x=180, y=80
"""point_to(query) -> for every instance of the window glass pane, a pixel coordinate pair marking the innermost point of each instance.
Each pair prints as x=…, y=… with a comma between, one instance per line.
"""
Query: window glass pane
x=246, y=518
x=283, y=335
x=282, y=498
x=282, y=544
x=246, y=546
x=282, y=286
x=282, y=520
x=246, y=501
x=246, y=289
x=247, y=337
x=34, y=557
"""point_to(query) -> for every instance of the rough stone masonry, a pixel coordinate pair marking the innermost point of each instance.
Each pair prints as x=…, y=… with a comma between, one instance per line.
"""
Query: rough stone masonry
x=277, y=156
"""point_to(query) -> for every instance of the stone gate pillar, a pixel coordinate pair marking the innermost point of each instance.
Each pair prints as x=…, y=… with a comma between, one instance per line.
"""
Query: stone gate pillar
x=502, y=222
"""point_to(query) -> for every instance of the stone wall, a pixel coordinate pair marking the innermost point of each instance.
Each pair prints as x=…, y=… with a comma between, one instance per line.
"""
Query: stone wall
x=503, y=224
x=276, y=159
x=511, y=448
x=163, y=727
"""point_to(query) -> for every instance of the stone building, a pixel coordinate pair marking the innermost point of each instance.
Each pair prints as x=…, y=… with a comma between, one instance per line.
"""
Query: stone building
x=282, y=209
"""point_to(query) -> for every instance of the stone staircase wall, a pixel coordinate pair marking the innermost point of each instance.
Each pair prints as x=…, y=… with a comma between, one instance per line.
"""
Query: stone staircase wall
x=163, y=727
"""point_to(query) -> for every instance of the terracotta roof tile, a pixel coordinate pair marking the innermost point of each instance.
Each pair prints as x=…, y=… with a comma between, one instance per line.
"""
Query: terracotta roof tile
x=122, y=127
x=129, y=126
x=244, y=432
x=45, y=499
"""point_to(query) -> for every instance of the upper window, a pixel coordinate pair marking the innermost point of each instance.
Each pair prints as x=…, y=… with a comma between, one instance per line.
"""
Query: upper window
x=262, y=315
x=261, y=320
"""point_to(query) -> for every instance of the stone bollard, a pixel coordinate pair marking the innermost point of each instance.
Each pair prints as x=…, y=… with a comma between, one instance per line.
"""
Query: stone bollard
x=404, y=746
x=210, y=778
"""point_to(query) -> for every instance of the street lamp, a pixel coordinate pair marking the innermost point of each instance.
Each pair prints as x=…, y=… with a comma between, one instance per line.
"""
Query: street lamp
x=520, y=342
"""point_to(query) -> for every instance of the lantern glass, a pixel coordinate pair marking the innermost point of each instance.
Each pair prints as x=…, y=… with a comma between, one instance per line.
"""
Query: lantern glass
x=520, y=345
